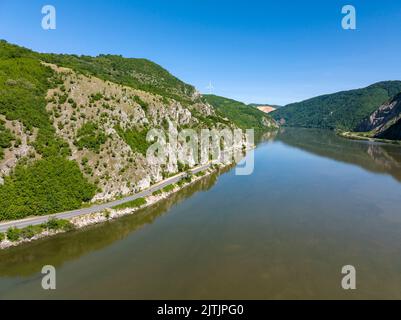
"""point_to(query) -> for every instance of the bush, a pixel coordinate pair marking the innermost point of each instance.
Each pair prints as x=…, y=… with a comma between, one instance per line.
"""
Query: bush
x=13, y=234
x=2, y=236
x=135, y=139
x=182, y=166
x=59, y=224
x=132, y=204
x=188, y=176
x=30, y=231
x=89, y=136
x=144, y=105
x=96, y=97
x=169, y=188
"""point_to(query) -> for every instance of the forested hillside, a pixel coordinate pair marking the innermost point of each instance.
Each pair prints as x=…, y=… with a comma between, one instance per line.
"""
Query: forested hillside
x=342, y=110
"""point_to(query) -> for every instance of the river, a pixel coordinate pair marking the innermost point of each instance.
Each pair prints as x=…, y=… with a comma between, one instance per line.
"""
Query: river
x=315, y=203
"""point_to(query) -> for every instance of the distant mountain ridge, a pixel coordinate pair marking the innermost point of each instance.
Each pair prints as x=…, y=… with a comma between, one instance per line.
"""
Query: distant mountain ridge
x=342, y=110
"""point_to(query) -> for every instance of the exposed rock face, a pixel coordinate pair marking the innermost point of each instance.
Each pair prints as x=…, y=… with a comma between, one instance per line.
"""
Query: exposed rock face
x=15, y=153
x=385, y=122
x=266, y=109
x=392, y=133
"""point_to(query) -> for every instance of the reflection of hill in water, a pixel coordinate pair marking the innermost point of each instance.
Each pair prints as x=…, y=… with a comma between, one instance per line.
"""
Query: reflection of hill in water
x=374, y=157
x=29, y=259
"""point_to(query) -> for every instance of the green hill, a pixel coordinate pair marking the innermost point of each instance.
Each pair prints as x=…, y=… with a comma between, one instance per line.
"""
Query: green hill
x=341, y=110
x=73, y=128
x=244, y=116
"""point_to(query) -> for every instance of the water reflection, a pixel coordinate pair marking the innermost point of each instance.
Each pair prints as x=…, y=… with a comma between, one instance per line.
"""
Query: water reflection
x=374, y=157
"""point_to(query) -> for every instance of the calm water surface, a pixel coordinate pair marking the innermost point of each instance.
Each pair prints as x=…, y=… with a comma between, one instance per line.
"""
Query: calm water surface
x=315, y=203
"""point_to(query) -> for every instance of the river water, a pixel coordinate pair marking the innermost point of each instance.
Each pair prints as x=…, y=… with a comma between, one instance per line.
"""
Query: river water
x=315, y=203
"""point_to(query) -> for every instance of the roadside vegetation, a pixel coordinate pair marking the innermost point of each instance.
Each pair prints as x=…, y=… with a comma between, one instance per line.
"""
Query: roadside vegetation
x=15, y=234
x=132, y=204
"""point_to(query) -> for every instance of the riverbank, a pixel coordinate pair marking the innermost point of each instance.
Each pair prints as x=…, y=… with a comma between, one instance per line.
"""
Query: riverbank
x=364, y=137
x=15, y=236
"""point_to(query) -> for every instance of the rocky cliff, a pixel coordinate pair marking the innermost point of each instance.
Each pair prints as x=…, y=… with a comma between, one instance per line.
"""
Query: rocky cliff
x=385, y=122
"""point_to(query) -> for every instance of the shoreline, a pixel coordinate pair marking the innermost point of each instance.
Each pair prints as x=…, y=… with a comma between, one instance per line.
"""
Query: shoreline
x=355, y=136
x=109, y=214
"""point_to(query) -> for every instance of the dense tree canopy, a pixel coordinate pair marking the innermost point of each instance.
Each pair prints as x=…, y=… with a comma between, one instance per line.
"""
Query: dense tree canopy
x=47, y=186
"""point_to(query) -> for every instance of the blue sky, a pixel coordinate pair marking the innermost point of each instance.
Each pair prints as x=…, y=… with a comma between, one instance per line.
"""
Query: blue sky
x=254, y=51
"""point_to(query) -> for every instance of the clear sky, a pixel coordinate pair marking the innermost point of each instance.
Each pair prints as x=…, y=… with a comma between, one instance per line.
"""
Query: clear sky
x=255, y=51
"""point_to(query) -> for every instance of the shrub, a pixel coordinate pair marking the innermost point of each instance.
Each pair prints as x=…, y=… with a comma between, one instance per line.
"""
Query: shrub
x=13, y=234
x=182, y=166
x=30, y=231
x=132, y=204
x=106, y=214
x=169, y=188
x=96, y=97
x=59, y=224
x=135, y=139
x=2, y=236
x=144, y=105
x=90, y=136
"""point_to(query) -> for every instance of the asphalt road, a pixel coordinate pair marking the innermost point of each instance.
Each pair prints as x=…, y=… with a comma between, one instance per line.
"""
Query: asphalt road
x=96, y=208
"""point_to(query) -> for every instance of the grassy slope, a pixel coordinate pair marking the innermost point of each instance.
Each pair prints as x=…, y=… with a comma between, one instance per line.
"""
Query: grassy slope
x=341, y=110
x=242, y=115
x=137, y=73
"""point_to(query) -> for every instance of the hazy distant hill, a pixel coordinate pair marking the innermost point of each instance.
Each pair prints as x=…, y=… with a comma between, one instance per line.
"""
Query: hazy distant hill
x=341, y=110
